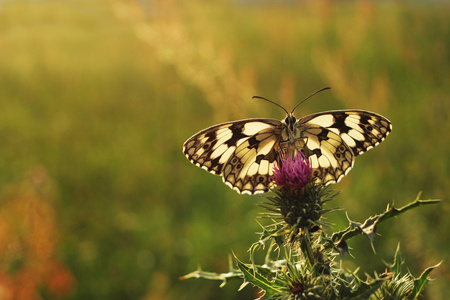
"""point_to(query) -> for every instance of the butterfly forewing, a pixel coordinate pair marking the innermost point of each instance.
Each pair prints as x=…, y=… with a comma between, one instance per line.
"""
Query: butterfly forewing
x=360, y=130
x=244, y=152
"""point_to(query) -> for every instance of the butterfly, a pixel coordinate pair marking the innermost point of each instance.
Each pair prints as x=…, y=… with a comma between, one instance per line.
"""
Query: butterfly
x=244, y=152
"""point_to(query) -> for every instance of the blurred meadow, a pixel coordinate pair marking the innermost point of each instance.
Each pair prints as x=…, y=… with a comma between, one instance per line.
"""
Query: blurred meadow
x=97, y=97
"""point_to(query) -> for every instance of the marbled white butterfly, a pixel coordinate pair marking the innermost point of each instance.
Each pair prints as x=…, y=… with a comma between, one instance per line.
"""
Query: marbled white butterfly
x=243, y=152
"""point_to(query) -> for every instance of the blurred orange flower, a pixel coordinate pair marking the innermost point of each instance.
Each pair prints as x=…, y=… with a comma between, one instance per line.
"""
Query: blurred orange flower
x=28, y=240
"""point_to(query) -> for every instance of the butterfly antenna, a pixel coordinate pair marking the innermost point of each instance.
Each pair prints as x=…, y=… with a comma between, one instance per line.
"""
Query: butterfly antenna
x=321, y=90
x=258, y=97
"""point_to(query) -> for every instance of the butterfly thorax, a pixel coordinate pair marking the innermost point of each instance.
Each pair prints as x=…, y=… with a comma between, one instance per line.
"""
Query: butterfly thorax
x=291, y=138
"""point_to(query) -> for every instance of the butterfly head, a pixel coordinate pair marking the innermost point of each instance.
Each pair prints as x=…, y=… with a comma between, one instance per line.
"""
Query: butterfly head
x=290, y=121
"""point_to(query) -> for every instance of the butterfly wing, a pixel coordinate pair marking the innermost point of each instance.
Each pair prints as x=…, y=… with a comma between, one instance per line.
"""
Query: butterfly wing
x=242, y=152
x=334, y=138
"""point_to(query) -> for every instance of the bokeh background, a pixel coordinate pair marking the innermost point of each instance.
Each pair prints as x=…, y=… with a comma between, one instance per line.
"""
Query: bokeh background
x=97, y=97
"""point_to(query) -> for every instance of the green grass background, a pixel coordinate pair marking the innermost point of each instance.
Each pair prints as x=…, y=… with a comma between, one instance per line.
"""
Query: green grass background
x=102, y=94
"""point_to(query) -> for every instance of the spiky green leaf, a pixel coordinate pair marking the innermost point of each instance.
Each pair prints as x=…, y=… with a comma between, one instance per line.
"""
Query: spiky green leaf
x=235, y=274
x=250, y=275
x=419, y=283
x=368, y=228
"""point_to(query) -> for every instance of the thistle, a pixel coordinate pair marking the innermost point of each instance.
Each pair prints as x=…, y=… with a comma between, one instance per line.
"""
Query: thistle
x=305, y=267
x=292, y=175
x=299, y=200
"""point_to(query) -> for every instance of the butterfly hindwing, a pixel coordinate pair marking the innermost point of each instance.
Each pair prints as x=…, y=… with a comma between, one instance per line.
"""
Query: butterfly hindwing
x=250, y=167
x=330, y=157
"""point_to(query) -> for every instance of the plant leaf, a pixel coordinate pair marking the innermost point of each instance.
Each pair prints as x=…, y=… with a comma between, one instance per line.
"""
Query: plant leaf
x=419, y=283
x=396, y=265
x=270, y=288
x=368, y=228
x=233, y=274
x=365, y=289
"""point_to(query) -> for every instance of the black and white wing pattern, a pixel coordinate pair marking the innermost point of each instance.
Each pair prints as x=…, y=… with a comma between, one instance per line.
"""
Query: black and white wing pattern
x=335, y=138
x=244, y=152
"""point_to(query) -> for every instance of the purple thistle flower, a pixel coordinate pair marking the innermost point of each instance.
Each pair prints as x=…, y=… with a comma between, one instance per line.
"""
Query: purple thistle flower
x=292, y=174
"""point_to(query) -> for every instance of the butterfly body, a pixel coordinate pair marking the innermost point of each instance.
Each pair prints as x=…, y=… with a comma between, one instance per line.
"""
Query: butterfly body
x=243, y=152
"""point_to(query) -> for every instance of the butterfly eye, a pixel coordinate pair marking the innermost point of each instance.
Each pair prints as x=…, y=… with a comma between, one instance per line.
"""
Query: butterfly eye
x=290, y=119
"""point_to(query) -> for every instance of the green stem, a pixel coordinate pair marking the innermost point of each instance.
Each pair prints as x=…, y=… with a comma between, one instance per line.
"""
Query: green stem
x=305, y=246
